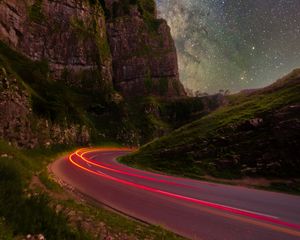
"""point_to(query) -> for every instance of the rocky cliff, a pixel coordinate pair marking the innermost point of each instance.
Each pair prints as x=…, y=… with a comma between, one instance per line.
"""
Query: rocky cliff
x=143, y=51
x=138, y=53
x=61, y=62
x=21, y=127
x=69, y=35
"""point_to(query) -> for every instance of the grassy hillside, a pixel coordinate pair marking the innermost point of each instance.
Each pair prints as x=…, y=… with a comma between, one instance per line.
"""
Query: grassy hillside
x=256, y=134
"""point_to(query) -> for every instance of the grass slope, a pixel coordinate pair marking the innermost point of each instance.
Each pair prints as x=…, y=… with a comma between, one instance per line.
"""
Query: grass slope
x=224, y=143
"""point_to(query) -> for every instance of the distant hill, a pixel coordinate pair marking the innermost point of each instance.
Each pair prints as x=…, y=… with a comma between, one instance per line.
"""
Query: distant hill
x=256, y=134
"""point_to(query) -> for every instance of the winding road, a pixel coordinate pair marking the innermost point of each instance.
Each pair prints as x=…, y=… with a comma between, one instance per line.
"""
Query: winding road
x=193, y=209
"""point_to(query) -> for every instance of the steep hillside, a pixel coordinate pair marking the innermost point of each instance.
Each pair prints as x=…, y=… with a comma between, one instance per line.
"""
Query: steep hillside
x=256, y=134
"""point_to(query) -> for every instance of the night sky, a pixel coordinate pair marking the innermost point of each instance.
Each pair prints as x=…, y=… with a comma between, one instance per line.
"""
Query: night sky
x=233, y=44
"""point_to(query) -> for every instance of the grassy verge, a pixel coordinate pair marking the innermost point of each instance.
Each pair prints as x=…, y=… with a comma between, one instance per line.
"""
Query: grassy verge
x=119, y=225
x=5, y=231
x=23, y=210
x=291, y=187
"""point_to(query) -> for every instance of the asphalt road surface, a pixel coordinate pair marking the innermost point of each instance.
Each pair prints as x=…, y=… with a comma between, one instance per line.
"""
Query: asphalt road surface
x=193, y=209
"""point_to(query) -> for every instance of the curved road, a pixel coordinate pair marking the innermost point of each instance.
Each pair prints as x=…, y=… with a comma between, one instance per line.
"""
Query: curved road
x=194, y=209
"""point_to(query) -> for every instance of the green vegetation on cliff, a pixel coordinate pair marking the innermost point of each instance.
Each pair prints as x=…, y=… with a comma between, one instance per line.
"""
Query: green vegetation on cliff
x=91, y=30
x=254, y=135
x=147, y=9
x=50, y=99
x=35, y=11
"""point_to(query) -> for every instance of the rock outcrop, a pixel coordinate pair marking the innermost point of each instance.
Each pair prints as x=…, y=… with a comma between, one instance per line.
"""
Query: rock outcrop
x=22, y=128
x=138, y=53
x=66, y=58
x=14, y=111
x=143, y=52
x=69, y=35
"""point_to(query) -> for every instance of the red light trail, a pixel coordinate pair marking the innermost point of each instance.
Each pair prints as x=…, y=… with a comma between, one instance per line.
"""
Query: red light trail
x=79, y=154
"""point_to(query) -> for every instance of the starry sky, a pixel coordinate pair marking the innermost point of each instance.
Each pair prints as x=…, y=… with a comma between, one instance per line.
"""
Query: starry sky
x=233, y=44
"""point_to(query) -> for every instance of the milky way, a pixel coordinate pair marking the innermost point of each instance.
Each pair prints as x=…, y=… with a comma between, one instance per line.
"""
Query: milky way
x=233, y=44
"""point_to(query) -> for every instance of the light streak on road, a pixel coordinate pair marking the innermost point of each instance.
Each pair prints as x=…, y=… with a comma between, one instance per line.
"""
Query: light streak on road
x=80, y=156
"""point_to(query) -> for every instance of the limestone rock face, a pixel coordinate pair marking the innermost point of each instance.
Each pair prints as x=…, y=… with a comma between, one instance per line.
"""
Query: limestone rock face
x=70, y=35
x=14, y=112
x=144, y=56
x=21, y=128
x=83, y=50
x=138, y=54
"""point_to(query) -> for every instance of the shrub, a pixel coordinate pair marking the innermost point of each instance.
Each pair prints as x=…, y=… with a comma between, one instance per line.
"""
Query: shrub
x=35, y=12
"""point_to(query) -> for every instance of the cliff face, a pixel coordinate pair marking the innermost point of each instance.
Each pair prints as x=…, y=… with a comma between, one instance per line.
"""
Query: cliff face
x=143, y=51
x=138, y=53
x=22, y=128
x=14, y=110
x=70, y=35
x=62, y=61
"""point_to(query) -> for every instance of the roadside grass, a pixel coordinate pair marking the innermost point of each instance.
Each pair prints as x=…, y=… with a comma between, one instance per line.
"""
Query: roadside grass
x=5, y=231
x=291, y=188
x=120, y=224
x=49, y=182
x=24, y=210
